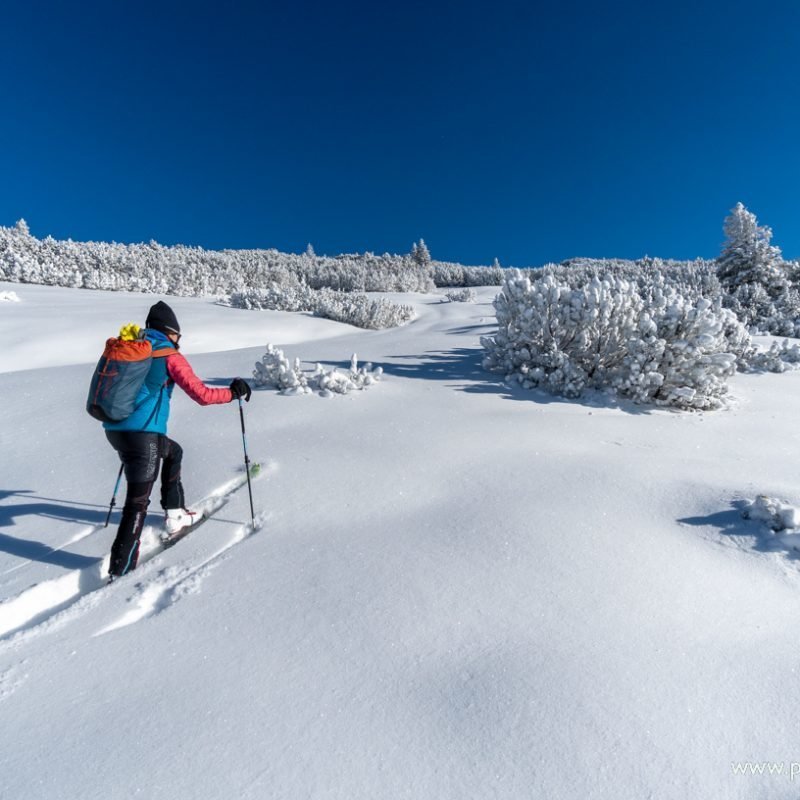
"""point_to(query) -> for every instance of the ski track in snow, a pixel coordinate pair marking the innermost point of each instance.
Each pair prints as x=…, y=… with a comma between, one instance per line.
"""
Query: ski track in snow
x=174, y=583
x=53, y=603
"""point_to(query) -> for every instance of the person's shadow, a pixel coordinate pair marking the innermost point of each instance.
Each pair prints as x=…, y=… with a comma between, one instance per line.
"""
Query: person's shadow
x=49, y=509
x=734, y=522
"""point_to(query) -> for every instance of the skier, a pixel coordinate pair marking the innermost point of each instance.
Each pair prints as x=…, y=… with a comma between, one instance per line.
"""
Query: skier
x=141, y=439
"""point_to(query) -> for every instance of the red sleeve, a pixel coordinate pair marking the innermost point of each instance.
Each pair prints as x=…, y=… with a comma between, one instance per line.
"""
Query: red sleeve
x=181, y=372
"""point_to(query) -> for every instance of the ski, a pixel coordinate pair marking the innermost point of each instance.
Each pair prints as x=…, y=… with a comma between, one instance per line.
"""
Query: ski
x=168, y=541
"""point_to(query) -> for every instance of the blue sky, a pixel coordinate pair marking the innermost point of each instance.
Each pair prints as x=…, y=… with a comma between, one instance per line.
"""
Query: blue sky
x=525, y=131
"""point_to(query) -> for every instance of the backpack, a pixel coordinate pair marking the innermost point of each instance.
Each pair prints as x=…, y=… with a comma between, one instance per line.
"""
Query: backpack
x=119, y=376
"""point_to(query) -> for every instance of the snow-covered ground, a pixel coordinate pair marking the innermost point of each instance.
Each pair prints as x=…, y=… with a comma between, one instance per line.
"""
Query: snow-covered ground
x=456, y=589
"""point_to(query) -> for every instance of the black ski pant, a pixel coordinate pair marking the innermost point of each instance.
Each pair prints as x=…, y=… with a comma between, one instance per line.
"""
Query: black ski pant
x=141, y=453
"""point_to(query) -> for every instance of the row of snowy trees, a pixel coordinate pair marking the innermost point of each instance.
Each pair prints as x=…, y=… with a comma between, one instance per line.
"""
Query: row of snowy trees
x=447, y=273
x=194, y=271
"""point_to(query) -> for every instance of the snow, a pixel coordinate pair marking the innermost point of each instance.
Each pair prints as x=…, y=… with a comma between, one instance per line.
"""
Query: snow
x=54, y=327
x=455, y=588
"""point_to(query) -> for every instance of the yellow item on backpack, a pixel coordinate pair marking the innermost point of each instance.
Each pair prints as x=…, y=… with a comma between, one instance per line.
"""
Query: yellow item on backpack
x=129, y=332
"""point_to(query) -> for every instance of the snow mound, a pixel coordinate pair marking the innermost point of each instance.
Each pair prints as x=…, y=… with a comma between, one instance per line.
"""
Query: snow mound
x=10, y=297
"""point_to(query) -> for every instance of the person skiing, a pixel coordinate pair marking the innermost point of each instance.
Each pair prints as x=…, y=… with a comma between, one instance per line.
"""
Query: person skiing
x=141, y=439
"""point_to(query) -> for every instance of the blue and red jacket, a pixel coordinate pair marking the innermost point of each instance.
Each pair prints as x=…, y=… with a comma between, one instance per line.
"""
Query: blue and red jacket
x=152, y=403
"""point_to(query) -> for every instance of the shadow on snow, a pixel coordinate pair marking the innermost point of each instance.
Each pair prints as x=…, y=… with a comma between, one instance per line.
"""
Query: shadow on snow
x=462, y=368
x=64, y=511
x=731, y=523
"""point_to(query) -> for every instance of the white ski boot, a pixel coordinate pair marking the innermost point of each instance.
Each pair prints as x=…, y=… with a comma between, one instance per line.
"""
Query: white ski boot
x=176, y=519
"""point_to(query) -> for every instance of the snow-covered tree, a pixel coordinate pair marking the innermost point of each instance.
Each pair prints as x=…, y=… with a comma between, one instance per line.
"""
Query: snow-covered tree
x=192, y=271
x=747, y=255
x=759, y=285
x=420, y=253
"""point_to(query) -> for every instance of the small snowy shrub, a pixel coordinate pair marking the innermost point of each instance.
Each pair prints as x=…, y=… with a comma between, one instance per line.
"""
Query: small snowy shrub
x=775, y=514
x=666, y=349
x=274, y=371
x=330, y=382
x=461, y=296
x=9, y=297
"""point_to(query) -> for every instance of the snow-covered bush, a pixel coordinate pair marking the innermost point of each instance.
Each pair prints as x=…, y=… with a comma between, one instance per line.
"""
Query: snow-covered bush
x=9, y=297
x=683, y=357
x=780, y=523
x=361, y=310
x=779, y=358
x=461, y=295
x=354, y=309
x=274, y=371
x=330, y=382
x=761, y=312
x=293, y=297
x=666, y=349
x=776, y=514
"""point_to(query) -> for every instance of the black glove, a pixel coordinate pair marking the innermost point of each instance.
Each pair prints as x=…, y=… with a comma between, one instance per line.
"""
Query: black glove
x=239, y=388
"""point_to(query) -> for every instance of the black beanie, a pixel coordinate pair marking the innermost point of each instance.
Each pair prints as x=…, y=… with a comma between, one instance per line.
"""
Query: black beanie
x=162, y=318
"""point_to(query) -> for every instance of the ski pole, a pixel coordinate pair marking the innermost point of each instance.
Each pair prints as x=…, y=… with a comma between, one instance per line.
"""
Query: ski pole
x=247, y=464
x=114, y=496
